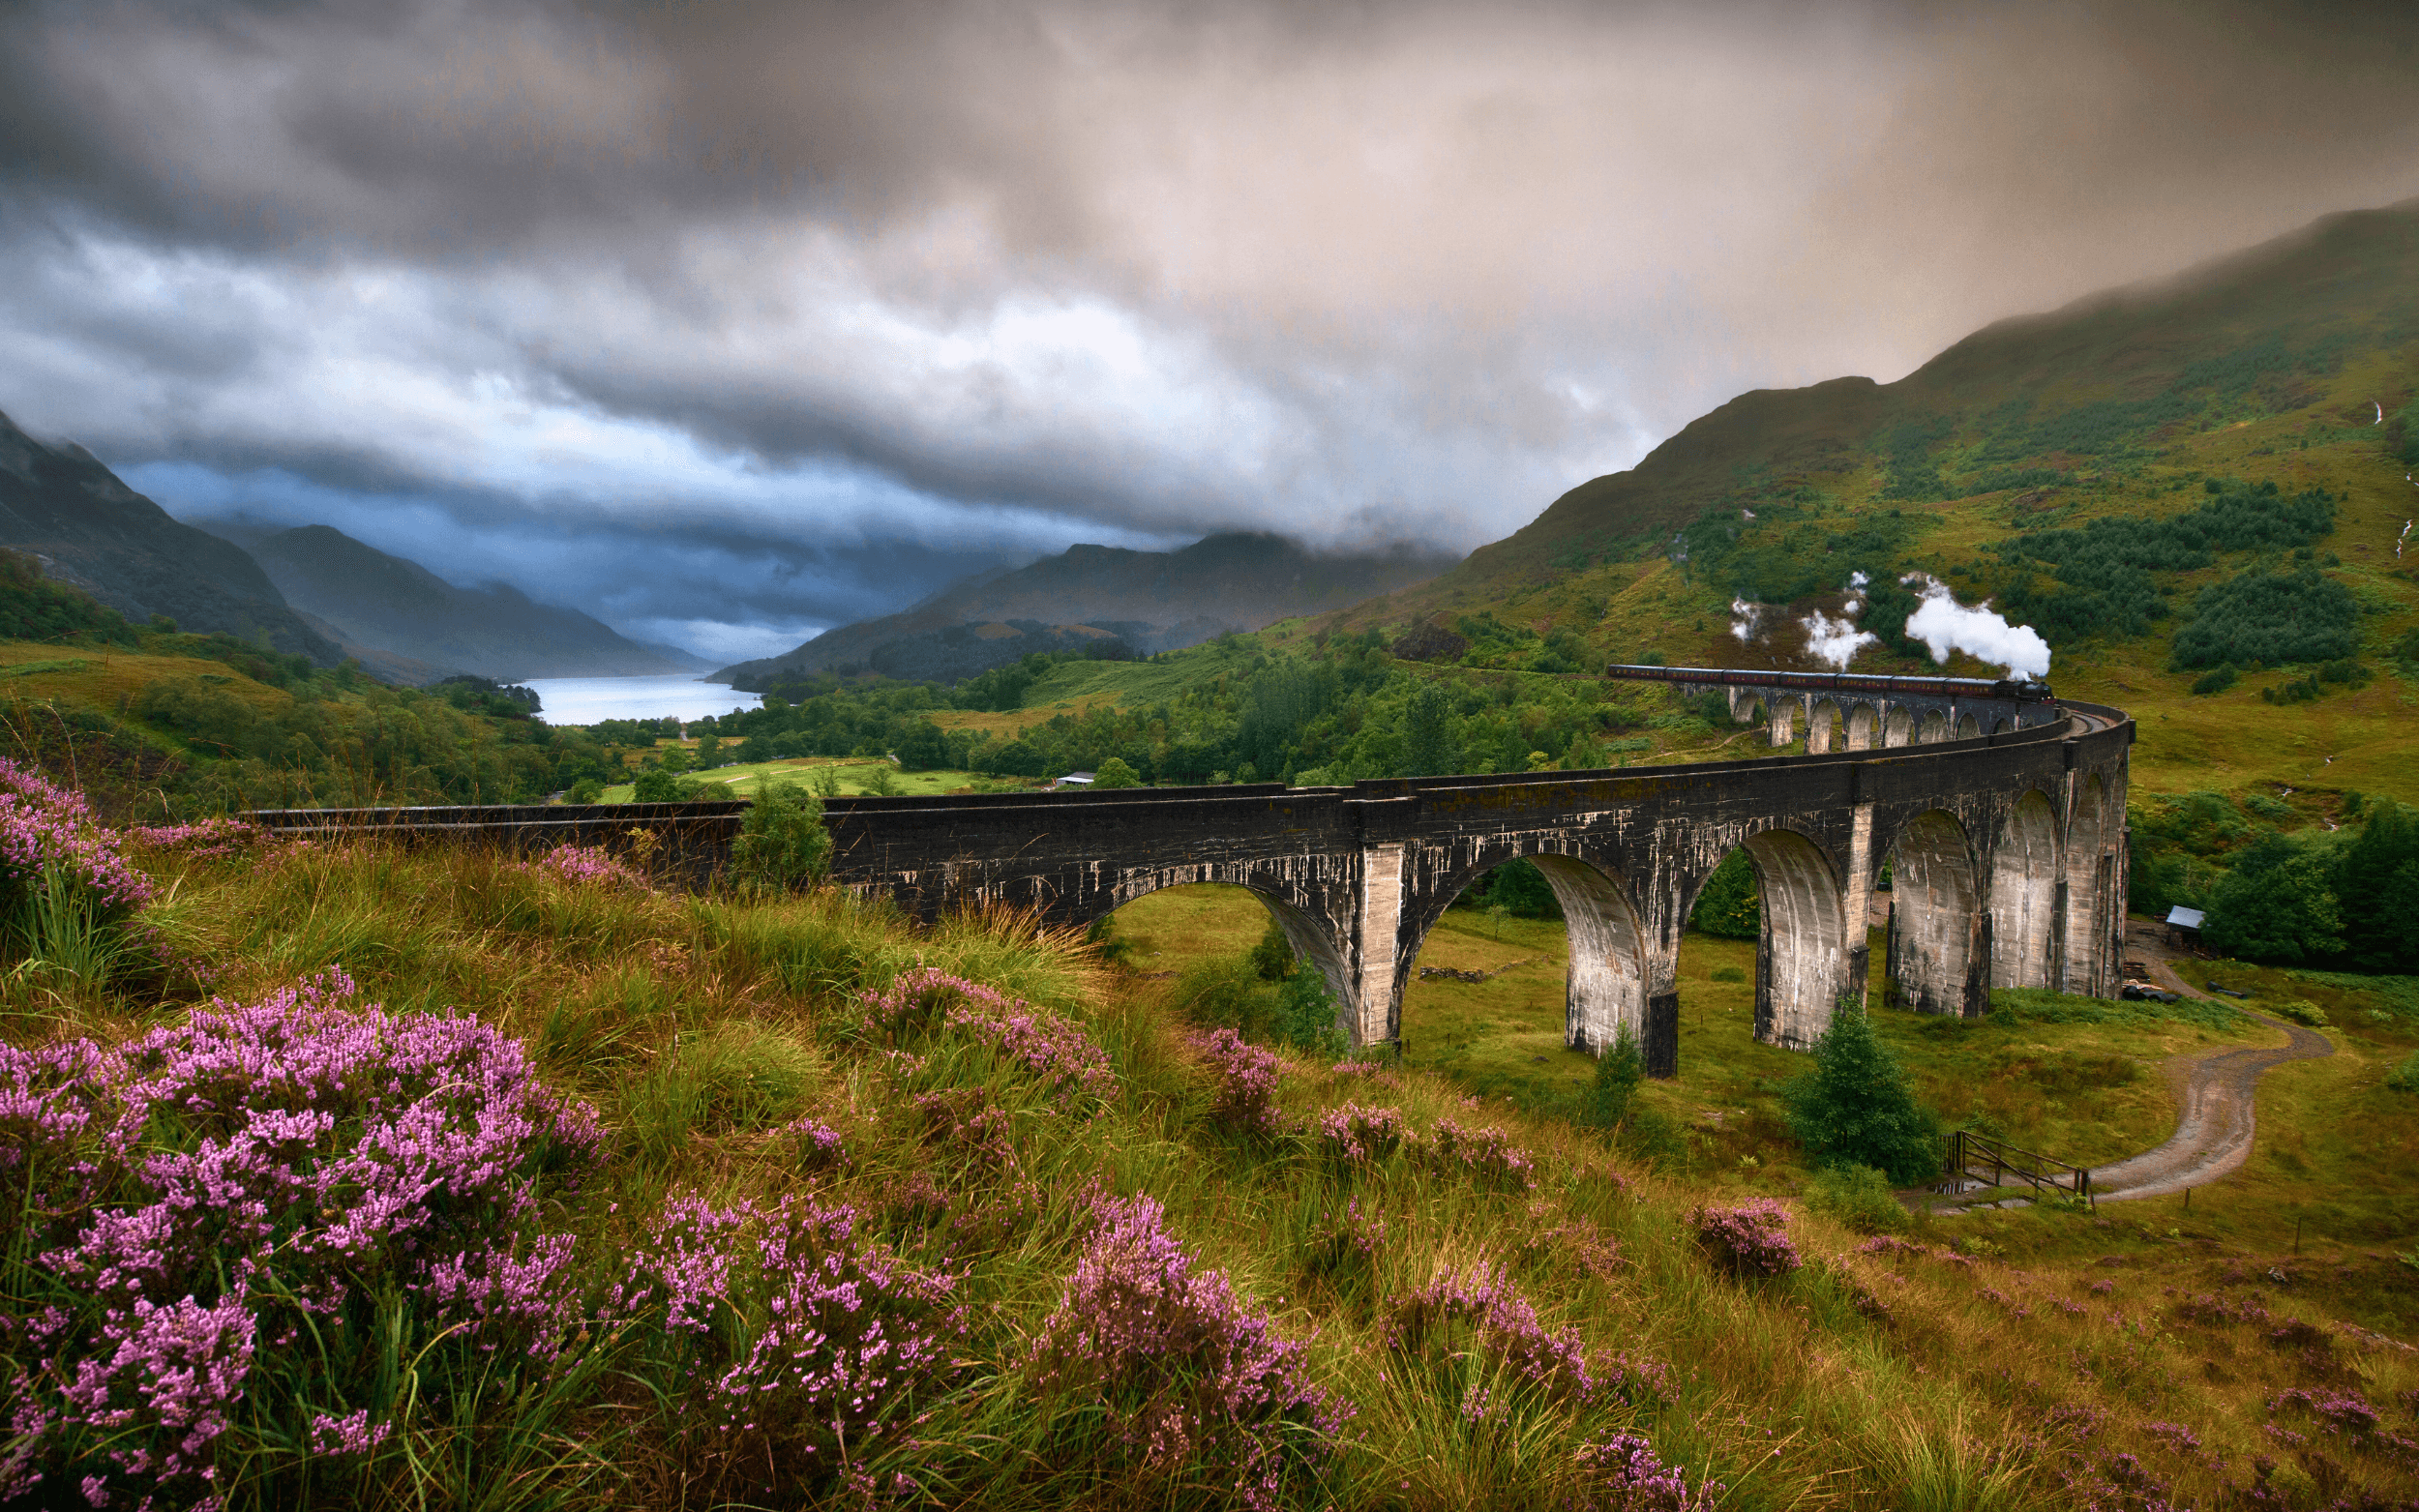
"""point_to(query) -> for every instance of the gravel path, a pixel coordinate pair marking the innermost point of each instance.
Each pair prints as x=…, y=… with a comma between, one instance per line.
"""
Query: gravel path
x=2216, y=1093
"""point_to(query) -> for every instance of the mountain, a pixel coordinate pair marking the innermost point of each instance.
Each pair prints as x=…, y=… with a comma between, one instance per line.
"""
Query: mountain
x=406, y=622
x=2072, y=409
x=1152, y=601
x=62, y=507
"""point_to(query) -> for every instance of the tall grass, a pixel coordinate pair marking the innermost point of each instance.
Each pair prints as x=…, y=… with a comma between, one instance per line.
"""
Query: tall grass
x=737, y=1056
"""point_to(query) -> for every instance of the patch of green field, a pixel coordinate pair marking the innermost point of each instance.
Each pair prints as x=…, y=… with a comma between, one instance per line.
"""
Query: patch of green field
x=857, y=776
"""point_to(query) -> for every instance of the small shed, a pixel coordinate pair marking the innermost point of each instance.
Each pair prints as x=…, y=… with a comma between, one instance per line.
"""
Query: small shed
x=1073, y=780
x=2184, y=926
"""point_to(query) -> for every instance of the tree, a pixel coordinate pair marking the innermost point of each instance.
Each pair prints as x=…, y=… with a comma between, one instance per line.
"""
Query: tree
x=2275, y=905
x=1856, y=1107
x=2378, y=891
x=654, y=785
x=1618, y=1073
x=1728, y=905
x=782, y=842
x=1428, y=734
x=1115, y=773
x=1272, y=959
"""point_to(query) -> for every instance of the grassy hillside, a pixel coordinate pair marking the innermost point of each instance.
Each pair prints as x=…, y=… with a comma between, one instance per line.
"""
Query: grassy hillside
x=1117, y=1264
x=2270, y=368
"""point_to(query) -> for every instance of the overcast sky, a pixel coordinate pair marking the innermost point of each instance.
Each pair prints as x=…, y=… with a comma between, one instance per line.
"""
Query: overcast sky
x=726, y=323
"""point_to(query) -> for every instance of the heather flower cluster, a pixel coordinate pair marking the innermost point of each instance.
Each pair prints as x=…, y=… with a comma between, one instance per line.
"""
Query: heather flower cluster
x=1358, y=1135
x=1625, y=1474
x=1190, y=1376
x=1750, y=1239
x=1486, y=1155
x=210, y=839
x=219, y=1188
x=801, y=1347
x=46, y=831
x=1243, y=1082
x=586, y=866
x=1346, y=1238
x=1485, y=1311
x=1054, y=1050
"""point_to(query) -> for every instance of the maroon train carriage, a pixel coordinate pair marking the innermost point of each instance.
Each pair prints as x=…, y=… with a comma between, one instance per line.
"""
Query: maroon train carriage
x=2022, y=689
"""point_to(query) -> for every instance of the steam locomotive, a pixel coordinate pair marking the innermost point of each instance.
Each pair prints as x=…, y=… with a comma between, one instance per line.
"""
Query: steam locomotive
x=2026, y=690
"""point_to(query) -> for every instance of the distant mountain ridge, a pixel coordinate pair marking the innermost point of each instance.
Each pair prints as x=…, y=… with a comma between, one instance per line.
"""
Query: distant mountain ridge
x=1154, y=600
x=62, y=507
x=406, y=622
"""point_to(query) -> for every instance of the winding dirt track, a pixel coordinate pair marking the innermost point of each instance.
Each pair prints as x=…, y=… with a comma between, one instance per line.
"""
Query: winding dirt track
x=2217, y=1094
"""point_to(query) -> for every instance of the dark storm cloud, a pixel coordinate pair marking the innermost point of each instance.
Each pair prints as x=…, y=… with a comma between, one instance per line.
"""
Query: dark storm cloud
x=933, y=284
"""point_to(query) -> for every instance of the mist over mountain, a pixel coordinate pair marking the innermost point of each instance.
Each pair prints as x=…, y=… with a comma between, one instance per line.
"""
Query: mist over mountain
x=407, y=623
x=1152, y=601
x=86, y=528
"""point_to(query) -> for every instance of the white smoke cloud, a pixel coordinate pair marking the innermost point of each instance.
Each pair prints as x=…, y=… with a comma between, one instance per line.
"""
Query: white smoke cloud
x=1943, y=625
x=1746, y=620
x=1836, y=640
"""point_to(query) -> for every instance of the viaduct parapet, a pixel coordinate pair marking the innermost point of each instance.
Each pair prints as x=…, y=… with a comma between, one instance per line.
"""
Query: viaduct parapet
x=2005, y=848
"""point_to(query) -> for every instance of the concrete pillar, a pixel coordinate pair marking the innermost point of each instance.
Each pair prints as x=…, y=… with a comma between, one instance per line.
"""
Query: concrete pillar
x=1608, y=983
x=1856, y=904
x=1372, y=1011
x=1784, y=711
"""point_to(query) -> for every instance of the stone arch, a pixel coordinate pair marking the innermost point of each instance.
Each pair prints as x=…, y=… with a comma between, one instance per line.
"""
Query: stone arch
x=1863, y=721
x=1822, y=728
x=1783, y=720
x=1802, y=948
x=1934, y=904
x=2025, y=895
x=1606, y=988
x=1747, y=706
x=1968, y=726
x=2090, y=878
x=2000, y=727
x=1313, y=937
x=1935, y=730
x=1897, y=726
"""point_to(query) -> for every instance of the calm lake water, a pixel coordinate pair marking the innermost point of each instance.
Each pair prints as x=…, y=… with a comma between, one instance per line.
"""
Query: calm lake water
x=584, y=701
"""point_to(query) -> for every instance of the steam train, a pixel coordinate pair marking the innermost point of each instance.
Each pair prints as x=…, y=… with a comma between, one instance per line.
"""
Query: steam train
x=2023, y=689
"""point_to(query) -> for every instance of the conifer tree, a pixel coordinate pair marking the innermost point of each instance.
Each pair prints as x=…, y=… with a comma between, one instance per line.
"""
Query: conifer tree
x=1856, y=1107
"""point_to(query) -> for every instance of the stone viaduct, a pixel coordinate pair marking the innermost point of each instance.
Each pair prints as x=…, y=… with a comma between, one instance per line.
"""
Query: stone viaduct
x=2006, y=851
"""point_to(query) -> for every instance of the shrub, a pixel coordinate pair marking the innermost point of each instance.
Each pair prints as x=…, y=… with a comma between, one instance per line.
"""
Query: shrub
x=2217, y=681
x=801, y=1350
x=1185, y=1374
x=1750, y=1239
x=2303, y=1011
x=207, y=838
x=1054, y=1051
x=1115, y=773
x=1860, y=1197
x=1244, y=1080
x=782, y=842
x=1355, y=1135
x=1619, y=1070
x=1272, y=959
x=1625, y=1474
x=1305, y=1014
x=1855, y=1108
x=189, y=1211
x=2404, y=1078
x=587, y=790
x=586, y=866
x=654, y=785
x=1486, y=1155
x=1485, y=1310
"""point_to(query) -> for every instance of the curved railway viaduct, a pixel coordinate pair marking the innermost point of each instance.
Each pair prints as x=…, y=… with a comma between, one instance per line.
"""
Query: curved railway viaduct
x=2006, y=848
